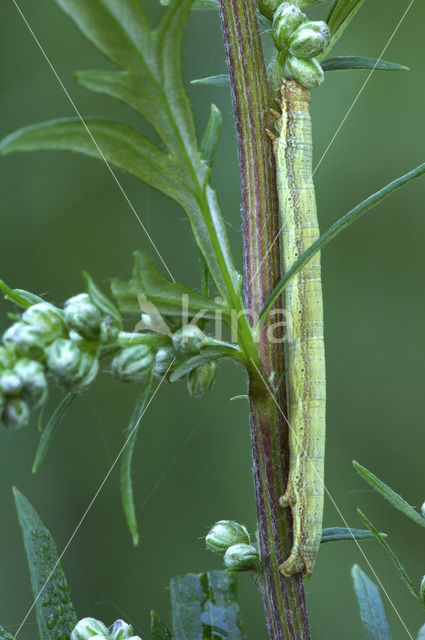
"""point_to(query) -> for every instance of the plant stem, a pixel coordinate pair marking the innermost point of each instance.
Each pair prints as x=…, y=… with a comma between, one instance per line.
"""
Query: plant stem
x=283, y=597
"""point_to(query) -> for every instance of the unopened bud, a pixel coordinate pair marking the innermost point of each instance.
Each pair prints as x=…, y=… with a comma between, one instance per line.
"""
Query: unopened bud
x=122, y=631
x=286, y=20
x=241, y=557
x=201, y=379
x=16, y=413
x=10, y=383
x=109, y=330
x=189, y=339
x=47, y=318
x=423, y=509
x=163, y=359
x=74, y=369
x=33, y=379
x=7, y=358
x=268, y=7
x=310, y=39
x=89, y=629
x=309, y=73
x=25, y=339
x=83, y=316
x=224, y=534
x=131, y=363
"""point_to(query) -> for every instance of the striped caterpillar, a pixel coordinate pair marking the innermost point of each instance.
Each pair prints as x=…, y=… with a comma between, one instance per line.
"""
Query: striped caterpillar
x=305, y=354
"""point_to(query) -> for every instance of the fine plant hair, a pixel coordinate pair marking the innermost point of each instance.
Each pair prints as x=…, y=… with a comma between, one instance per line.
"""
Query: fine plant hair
x=149, y=328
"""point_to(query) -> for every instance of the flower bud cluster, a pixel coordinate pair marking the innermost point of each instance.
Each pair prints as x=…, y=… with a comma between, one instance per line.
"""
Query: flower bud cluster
x=299, y=41
x=231, y=539
x=50, y=342
x=91, y=629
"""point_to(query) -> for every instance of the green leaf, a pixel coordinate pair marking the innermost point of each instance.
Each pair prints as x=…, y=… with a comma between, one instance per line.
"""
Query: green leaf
x=204, y=606
x=207, y=354
x=360, y=62
x=56, y=617
x=333, y=231
x=201, y=5
x=372, y=610
x=421, y=634
x=211, y=135
x=340, y=16
x=127, y=457
x=167, y=296
x=221, y=80
x=159, y=630
x=401, y=570
x=100, y=300
x=5, y=635
x=341, y=533
x=393, y=498
x=50, y=429
x=20, y=297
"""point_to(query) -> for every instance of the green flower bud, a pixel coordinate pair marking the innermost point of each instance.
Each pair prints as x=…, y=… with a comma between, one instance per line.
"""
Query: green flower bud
x=268, y=7
x=225, y=534
x=189, y=339
x=74, y=369
x=163, y=359
x=131, y=363
x=10, y=383
x=122, y=631
x=33, y=379
x=16, y=413
x=309, y=73
x=47, y=318
x=25, y=339
x=201, y=379
x=83, y=316
x=88, y=629
x=109, y=330
x=285, y=21
x=7, y=358
x=241, y=557
x=423, y=509
x=310, y=39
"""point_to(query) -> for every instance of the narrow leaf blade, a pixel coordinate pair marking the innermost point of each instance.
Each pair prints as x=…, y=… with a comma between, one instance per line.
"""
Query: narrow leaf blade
x=199, y=5
x=372, y=610
x=360, y=62
x=20, y=297
x=100, y=300
x=220, y=80
x=56, y=617
x=211, y=135
x=401, y=570
x=341, y=14
x=391, y=496
x=334, y=230
x=50, y=430
x=341, y=533
x=131, y=432
x=159, y=630
x=204, y=606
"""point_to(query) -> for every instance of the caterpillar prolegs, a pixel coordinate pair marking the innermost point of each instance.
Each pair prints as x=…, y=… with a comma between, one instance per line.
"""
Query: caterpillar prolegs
x=305, y=353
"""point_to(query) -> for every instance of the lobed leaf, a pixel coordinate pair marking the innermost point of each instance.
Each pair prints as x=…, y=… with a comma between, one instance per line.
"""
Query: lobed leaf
x=341, y=533
x=339, y=17
x=204, y=606
x=391, y=496
x=159, y=630
x=333, y=231
x=360, y=62
x=164, y=294
x=372, y=610
x=50, y=429
x=401, y=570
x=55, y=612
x=130, y=435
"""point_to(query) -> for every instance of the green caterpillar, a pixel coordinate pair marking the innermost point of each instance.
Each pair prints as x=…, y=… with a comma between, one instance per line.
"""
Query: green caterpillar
x=305, y=353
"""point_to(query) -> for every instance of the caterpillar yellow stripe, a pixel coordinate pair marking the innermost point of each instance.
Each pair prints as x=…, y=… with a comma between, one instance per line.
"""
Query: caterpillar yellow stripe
x=305, y=353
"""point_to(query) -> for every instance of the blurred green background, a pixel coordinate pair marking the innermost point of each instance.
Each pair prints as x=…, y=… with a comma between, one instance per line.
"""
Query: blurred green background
x=62, y=213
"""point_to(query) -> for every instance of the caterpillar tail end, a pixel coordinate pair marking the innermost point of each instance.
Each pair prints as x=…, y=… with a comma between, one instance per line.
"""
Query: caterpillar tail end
x=298, y=561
